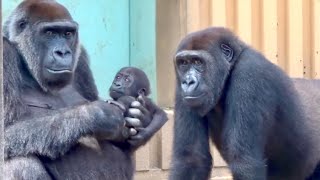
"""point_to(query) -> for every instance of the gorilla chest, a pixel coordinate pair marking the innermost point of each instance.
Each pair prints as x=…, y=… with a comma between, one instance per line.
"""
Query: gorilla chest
x=215, y=123
x=39, y=101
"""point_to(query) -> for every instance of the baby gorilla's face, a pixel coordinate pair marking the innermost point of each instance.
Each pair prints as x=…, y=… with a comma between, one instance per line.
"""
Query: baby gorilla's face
x=122, y=85
x=129, y=81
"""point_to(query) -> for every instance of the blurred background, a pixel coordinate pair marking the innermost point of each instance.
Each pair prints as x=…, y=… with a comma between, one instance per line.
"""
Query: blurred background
x=145, y=34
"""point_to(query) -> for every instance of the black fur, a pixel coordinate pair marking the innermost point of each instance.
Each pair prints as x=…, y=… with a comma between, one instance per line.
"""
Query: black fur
x=261, y=125
x=46, y=113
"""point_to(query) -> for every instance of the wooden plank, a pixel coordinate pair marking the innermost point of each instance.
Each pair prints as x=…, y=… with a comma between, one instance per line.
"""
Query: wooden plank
x=307, y=43
x=282, y=34
x=218, y=13
x=256, y=21
x=204, y=14
x=193, y=15
x=295, y=38
x=142, y=158
x=231, y=14
x=244, y=20
x=167, y=141
x=316, y=38
x=269, y=32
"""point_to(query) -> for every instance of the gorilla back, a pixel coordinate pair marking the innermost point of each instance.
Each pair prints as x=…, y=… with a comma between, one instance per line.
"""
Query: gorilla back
x=263, y=127
x=51, y=101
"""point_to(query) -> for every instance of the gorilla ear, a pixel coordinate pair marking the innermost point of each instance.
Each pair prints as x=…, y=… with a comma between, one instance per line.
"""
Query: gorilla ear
x=227, y=51
x=142, y=92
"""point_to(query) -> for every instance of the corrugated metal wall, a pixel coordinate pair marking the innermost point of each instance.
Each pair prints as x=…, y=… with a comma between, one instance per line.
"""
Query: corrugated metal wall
x=286, y=31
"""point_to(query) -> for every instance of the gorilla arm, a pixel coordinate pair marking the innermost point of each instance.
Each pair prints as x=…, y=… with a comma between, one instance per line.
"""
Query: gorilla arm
x=191, y=153
x=54, y=134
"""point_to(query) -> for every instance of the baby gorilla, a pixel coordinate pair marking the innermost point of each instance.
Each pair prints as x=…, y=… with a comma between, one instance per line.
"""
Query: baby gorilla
x=132, y=84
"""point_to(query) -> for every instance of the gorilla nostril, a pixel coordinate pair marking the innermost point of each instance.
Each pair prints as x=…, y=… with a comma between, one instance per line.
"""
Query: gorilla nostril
x=58, y=53
x=189, y=82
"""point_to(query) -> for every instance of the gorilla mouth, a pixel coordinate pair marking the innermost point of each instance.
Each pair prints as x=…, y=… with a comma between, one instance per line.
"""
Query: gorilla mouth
x=189, y=97
x=59, y=71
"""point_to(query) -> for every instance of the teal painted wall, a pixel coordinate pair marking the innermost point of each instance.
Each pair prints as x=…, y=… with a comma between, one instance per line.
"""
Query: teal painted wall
x=126, y=30
x=143, y=39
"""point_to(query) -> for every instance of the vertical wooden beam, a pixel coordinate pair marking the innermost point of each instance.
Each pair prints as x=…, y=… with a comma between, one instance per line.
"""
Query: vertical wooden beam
x=244, y=20
x=205, y=14
x=307, y=42
x=295, y=38
x=316, y=38
x=218, y=13
x=256, y=21
x=231, y=14
x=269, y=32
x=171, y=27
x=282, y=34
x=193, y=15
x=167, y=141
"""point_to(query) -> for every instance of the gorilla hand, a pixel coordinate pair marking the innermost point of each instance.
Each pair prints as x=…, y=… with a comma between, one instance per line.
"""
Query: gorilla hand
x=108, y=122
x=137, y=114
x=116, y=103
x=139, y=138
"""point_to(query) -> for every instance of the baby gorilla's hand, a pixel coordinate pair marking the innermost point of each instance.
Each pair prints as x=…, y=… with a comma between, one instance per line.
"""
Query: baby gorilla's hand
x=140, y=138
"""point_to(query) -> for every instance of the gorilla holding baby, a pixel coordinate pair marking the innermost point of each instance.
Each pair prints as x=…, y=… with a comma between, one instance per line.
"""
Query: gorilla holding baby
x=264, y=125
x=51, y=101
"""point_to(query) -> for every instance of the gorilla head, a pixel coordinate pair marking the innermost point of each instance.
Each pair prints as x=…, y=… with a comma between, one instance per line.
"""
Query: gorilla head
x=198, y=59
x=47, y=37
x=130, y=81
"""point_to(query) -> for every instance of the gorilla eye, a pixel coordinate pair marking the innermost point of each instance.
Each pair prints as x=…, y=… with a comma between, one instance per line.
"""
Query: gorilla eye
x=22, y=24
x=197, y=62
x=127, y=79
x=182, y=62
x=117, y=77
x=49, y=33
x=68, y=34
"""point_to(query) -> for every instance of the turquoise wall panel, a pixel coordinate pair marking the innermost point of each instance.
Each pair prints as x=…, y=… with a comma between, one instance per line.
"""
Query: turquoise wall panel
x=104, y=31
x=143, y=39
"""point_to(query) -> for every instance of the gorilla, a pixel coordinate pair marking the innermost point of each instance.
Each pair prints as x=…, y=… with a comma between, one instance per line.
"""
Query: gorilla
x=51, y=101
x=263, y=126
x=131, y=83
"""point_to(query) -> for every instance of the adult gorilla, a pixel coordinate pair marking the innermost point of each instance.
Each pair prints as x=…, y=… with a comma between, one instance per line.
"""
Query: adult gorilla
x=51, y=101
x=262, y=126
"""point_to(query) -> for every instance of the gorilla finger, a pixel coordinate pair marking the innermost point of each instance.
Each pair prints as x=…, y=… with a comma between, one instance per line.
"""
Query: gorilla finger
x=133, y=122
x=126, y=132
x=137, y=105
x=141, y=100
x=136, y=137
x=133, y=132
x=134, y=112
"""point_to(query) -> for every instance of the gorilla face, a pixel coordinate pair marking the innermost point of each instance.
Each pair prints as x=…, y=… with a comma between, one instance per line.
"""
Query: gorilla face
x=47, y=38
x=57, y=40
x=130, y=81
x=202, y=66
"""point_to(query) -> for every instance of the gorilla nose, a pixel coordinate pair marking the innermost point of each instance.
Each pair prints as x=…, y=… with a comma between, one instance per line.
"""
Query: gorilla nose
x=189, y=84
x=61, y=53
x=117, y=85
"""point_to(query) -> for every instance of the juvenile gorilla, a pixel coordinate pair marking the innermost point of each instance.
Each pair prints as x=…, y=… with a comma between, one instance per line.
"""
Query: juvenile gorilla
x=51, y=101
x=128, y=85
x=261, y=125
